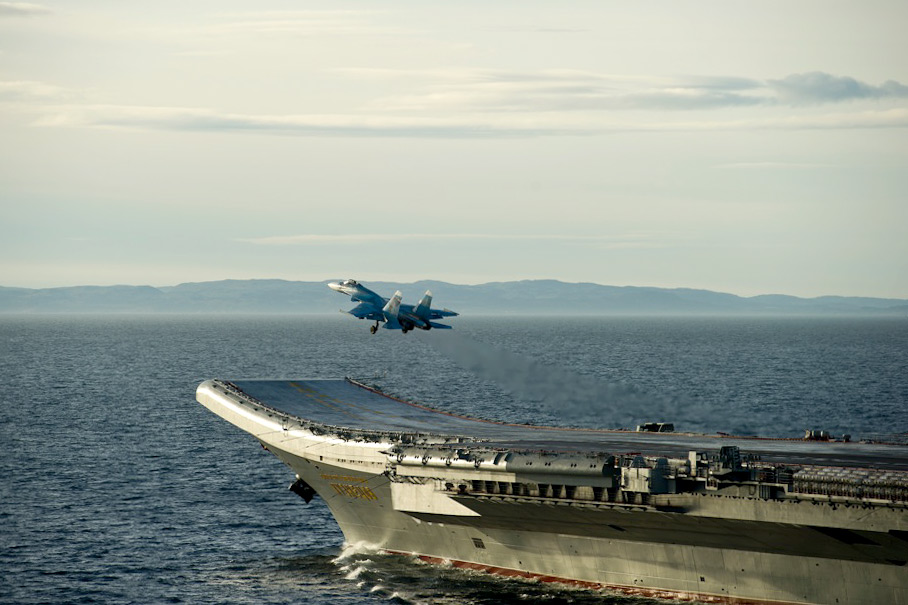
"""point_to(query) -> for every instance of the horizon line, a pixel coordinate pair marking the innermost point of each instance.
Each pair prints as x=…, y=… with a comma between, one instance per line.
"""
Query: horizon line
x=468, y=285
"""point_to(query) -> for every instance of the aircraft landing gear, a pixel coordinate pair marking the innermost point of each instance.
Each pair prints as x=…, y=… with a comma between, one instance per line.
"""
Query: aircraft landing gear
x=373, y=329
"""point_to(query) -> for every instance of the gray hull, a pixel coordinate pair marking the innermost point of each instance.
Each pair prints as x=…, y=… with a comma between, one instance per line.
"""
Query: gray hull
x=729, y=531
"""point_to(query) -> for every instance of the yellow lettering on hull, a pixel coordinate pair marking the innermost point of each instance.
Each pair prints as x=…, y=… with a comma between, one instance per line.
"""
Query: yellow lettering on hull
x=344, y=478
x=354, y=491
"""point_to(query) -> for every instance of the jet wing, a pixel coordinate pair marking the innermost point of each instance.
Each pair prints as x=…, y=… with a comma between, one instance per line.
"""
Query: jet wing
x=433, y=313
x=366, y=311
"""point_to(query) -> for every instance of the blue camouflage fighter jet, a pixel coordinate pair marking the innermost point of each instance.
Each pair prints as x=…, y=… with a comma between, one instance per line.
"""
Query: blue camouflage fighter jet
x=396, y=316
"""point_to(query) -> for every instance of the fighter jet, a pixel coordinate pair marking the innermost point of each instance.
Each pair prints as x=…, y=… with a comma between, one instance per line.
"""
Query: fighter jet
x=396, y=316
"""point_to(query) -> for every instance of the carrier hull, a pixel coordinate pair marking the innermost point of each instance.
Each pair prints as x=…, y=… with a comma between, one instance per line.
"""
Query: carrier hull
x=569, y=507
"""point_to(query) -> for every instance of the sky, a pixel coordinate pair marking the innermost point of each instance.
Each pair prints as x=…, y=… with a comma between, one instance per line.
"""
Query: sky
x=743, y=147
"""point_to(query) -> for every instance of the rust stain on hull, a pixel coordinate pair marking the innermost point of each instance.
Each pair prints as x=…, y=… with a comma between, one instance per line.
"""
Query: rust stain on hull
x=636, y=591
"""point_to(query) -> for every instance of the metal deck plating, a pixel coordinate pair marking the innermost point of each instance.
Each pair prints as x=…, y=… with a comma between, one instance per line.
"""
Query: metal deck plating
x=354, y=407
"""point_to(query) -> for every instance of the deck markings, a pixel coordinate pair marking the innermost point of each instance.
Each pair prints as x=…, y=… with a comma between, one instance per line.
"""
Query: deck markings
x=363, y=408
x=318, y=397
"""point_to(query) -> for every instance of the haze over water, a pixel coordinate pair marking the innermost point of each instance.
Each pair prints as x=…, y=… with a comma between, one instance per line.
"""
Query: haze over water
x=118, y=487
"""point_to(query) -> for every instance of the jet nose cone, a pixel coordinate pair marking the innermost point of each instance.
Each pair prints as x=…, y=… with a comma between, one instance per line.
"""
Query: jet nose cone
x=335, y=285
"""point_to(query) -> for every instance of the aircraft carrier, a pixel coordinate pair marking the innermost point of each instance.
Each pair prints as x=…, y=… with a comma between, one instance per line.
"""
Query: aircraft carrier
x=713, y=519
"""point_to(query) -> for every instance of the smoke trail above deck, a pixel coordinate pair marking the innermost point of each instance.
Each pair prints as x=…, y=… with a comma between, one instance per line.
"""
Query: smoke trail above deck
x=572, y=397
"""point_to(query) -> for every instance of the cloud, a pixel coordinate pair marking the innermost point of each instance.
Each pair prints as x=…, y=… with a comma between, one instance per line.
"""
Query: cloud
x=22, y=9
x=773, y=166
x=452, y=127
x=474, y=104
x=565, y=90
x=351, y=239
x=298, y=23
x=204, y=53
x=19, y=90
x=202, y=120
x=818, y=87
x=683, y=99
x=890, y=118
x=359, y=239
x=723, y=82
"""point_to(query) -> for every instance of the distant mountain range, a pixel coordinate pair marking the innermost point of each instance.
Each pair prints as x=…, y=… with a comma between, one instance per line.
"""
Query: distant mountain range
x=541, y=297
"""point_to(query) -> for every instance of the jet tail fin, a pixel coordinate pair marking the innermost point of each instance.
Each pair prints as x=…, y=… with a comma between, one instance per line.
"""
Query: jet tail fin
x=424, y=306
x=393, y=306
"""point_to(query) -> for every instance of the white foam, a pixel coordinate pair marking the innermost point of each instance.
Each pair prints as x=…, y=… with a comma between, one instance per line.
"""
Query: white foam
x=356, y=572
x=358, y=548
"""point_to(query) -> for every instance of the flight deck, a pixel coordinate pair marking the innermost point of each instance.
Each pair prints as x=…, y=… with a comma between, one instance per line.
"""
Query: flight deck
x=354, y=407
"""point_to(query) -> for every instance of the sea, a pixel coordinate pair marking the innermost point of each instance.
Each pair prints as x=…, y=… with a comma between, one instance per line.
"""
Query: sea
x=117, y=487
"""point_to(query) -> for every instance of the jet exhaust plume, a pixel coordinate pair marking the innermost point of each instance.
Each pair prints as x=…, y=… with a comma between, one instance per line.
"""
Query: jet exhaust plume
x=572, y=397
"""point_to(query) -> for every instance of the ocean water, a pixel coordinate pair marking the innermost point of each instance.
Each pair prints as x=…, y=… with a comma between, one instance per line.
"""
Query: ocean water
x=117, y=487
